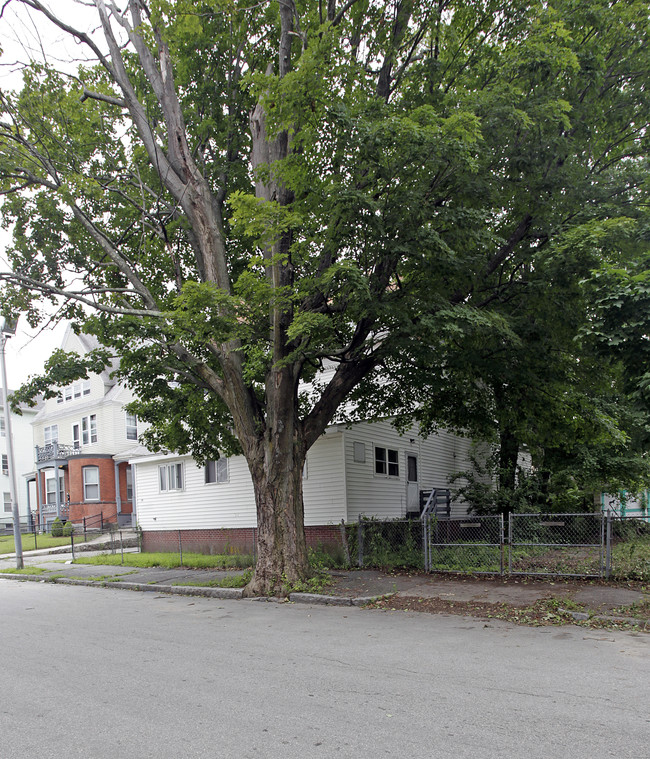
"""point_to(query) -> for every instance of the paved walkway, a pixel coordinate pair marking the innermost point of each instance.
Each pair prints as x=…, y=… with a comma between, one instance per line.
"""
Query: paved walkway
x=348, y=587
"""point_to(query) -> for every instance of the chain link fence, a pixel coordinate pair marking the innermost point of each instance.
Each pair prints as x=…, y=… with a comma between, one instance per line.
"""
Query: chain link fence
x=628, y=547
x=467, y=544
x=563, y=545
x=390, y=544
x=571, y=545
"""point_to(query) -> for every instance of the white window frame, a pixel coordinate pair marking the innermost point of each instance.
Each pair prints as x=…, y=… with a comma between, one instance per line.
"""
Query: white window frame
x=129, y=483
x=76, y=435
x=87, y=483
x=170, y=477
x=50, y=492
x=217, y=472
x=3, y=429
x=89, y=429
x=51, y=434
x=131, y=426
x=5, y=465
x=388, y=459
x=7, y=503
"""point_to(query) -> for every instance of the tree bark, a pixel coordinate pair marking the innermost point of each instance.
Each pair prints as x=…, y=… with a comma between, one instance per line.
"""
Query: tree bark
x=281, y=547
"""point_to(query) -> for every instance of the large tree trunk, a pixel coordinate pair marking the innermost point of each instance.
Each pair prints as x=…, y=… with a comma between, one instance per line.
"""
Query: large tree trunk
x=281, y=547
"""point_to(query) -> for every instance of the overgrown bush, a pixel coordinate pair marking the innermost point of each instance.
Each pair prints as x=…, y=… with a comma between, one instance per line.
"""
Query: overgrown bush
x=57, y=528
x=68, y=529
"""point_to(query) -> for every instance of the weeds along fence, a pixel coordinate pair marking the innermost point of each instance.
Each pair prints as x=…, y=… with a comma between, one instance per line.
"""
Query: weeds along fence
x=627, y=547
x=468, y=544
x=564, y=545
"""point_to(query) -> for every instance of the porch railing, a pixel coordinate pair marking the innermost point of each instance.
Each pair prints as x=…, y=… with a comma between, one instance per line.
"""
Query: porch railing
x=54, y=451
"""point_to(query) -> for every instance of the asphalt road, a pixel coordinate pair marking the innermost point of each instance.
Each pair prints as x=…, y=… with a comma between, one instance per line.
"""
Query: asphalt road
x=94, y=673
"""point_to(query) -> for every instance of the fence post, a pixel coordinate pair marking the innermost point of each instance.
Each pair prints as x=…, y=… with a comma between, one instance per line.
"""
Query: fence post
x=608, y=545
x=510, y=527
x=34, y=527
x=121, y=547
x=501, y=541
x=360, y=541
x=180, y=547
x=85, y=537
x=344, y=542
x=72, y=543
x=425, y=544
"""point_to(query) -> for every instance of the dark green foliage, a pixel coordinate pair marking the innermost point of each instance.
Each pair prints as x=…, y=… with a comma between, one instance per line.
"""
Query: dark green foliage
x=57, y=528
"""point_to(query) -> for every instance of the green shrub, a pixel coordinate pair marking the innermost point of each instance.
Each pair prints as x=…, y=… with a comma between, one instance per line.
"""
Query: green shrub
x=68, y=529
x=57, y=528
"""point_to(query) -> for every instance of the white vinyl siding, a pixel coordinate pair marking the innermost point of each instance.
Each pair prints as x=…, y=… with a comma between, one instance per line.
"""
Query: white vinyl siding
x=439, y=456
x=232, y=503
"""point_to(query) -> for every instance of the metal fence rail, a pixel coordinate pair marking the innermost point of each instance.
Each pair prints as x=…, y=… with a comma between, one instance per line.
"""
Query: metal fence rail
x=571, y=545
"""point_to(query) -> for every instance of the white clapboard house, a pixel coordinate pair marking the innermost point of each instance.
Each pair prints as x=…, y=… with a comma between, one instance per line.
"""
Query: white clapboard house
x=366, y=469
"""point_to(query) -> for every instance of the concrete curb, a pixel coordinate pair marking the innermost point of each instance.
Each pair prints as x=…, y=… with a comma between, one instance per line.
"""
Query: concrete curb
x=189, y=590
x=300, y=598
x=174, y=590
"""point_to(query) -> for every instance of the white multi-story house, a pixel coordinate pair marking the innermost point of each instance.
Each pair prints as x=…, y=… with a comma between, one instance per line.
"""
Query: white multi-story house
x=23, y=450
x=79, y=439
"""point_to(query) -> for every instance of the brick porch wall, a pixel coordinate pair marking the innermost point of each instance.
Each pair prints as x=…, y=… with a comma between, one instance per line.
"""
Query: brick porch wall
x=235, y=540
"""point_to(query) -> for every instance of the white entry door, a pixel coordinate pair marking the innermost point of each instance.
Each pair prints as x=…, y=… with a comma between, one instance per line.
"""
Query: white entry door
x=412, y=483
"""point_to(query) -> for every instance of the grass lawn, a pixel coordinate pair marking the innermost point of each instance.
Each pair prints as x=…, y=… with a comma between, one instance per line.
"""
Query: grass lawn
x=171, y=560
x=42, y=541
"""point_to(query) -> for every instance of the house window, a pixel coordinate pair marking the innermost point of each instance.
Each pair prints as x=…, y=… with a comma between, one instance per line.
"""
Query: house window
x=91, y=483
x=50, y=490
x=51, y=434
x=89, y=429
x=7, y=502
x=131, y=427
x=216, y=471
x=5, y=465
x=3, y=431
x=129, y=484
x=76, y=436
x=74, y=391
x=386, y=462
x=170, y=476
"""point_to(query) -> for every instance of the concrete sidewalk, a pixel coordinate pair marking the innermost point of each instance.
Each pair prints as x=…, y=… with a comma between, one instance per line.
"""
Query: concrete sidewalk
x=352, y=587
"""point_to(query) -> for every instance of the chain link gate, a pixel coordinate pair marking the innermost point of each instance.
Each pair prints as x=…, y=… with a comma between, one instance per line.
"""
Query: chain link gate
x=464, y=544
x=571, y=545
